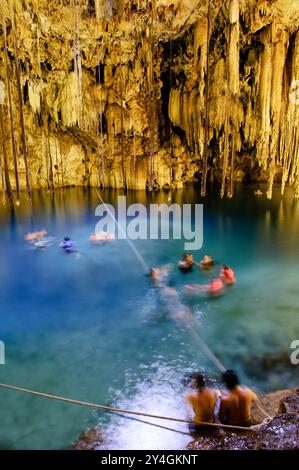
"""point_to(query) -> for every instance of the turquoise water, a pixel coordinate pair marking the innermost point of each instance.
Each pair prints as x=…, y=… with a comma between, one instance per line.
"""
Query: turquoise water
x=91, y=327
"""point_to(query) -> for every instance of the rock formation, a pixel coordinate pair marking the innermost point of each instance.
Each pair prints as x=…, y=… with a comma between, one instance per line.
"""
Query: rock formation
x=154, y=94
x=279, y=433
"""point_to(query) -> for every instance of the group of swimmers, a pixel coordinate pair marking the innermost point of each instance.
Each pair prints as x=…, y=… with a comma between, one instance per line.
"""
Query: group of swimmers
x=40, y=239
x=216, y=285
x=210, y=405
x=230, y=406
x=213, y=288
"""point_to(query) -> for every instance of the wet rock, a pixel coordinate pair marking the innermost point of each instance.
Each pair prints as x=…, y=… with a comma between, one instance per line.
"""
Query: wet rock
x=279, y=433
x=290, y=404
x=89, y=440
x=277, y=363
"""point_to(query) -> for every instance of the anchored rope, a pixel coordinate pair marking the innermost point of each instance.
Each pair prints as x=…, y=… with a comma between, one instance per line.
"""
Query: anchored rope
x=132, y=246
x=119, y=410
x=203, y=345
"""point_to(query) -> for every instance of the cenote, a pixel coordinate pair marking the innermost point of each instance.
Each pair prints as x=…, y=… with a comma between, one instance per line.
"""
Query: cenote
x=91, y=327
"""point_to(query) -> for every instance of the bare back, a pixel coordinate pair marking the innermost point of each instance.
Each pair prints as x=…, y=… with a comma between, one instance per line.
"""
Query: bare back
x=235, y=407
x=203, y=403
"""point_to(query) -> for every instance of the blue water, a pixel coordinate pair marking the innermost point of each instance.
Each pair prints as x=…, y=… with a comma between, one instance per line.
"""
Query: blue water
x=91, y=327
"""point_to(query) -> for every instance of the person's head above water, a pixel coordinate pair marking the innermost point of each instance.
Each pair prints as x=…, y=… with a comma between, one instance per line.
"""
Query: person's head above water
x=230, y=379
x=154, y=273
x=66, y=239
x=200, y=380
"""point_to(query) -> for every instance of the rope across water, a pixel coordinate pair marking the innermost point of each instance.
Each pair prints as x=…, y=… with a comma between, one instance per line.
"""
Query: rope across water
x=120, y=410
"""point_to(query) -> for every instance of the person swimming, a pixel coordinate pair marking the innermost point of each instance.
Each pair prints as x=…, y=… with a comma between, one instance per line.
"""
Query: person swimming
x=99, y=238
x=207, y=263
x=235, y=407
x=159, y=276
x=186, y=263
x=45, y=242
x=32, y=237
x=227, y=275
x=204, y=401
x=68, y=245
x=214, y=288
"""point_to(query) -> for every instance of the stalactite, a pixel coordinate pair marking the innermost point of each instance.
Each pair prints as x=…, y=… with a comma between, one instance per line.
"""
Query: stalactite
x=102, y=157
x=226, y=153
x=150, y=75
x=50, y=161
x=122, y=130
x=45, y=151
x=56, y=163
x=10, y=105
x=233, y=91
x=254, y=76
x=5, y=163
x=134, y=151
x=232, y=165
x=77, y=61
x=2, y=98
x=61, y=165
x=22, y=123
x=207, y=125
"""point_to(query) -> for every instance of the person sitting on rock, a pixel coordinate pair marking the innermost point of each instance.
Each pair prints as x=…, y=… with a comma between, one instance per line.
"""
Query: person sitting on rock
x=227, y=275
x=203, y=401
x=235, y=408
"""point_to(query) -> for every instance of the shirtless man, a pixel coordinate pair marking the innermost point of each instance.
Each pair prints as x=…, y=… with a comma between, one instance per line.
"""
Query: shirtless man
x=235, y=405
x=203, y=401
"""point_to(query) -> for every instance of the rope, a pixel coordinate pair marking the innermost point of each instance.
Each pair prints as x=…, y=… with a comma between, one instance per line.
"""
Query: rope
x=119, y=410
x=205, y=348
x=132, y=246
x=155, y=425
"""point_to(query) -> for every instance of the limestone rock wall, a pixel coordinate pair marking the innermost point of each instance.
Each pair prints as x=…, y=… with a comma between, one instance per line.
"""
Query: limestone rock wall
x=143, y=94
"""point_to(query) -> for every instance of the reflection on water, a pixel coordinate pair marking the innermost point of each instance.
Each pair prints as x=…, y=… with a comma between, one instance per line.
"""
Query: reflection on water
x=93, y=328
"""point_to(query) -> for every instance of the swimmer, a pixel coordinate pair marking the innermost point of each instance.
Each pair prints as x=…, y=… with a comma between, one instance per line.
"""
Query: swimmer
x=186, y=263
x=236, y=404
x=214, y=288
x=203, y=401
x=100, y=238
x=206, y=263
x=160, y=275
x=45, y=242
x=68, y=245
x=227, y=275
x=32, y=237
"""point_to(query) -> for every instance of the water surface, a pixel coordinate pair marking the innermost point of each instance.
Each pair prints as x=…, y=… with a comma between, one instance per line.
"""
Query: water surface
x=91, y=327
